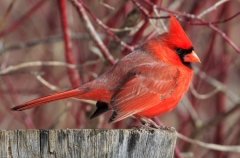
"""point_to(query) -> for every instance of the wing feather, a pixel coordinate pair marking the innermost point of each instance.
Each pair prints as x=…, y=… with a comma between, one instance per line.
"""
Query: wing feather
x=147, y=89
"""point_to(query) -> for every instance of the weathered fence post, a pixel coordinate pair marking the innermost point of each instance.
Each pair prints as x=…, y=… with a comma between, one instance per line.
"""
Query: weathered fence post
x=87, y=143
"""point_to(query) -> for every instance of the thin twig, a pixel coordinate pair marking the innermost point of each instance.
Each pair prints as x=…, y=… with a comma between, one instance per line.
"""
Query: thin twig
x=89, y=27
x=164, y=27
x=57, y=89
x=106, y=5
x=217, y=84
x=220, y=117
x=124, y=29
x=195, y=17
x=210, y=145
x=212, y=22
x=106, y=28
x=6, y=14
x=192, y=112
x=204, y=96
x=33, y=64
x=18, y=67
x=26, y=119
x=45, y=83
x=138, y=35
x=225, y=37
x=46, y=40
x=214, y=7
x=23, y=18
x=60, y=116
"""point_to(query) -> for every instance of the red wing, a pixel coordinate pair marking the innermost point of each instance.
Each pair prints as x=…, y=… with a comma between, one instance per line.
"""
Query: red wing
x=151, y=84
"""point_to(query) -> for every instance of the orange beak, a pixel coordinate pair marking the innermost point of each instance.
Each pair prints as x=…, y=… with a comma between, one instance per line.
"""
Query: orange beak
x=192, y=57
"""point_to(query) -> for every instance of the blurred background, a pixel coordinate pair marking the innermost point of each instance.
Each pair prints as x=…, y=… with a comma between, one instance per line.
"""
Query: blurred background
x=47, y=46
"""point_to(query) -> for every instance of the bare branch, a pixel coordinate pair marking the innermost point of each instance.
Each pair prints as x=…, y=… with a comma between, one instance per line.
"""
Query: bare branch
x=18, y=67
x=47, y=40
x=23, y=18
x=192, y=112
x=214, y=7
x=124, y=29
x=203, y=96
x=57, y=89
x=106, y=28
x=106, y=5
x=47, y=84
x=6, y=14
x=35, y=63
x=212, y=22
x=215, y=120
x=225, y=37
x=218, y=85
x=89, y=27
x=209, y=145
x=195, y=17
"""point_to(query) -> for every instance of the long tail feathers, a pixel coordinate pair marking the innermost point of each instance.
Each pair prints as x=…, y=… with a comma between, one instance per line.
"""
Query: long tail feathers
x=40, y=101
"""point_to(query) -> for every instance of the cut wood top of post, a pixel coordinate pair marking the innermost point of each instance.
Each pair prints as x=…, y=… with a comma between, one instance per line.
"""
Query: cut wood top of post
x=88, y=143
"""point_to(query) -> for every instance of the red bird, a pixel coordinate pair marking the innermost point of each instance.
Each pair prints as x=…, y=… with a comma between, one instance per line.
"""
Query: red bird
x=146, y=83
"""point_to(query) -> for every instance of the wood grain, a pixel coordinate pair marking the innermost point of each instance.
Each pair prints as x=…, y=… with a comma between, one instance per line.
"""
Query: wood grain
x=88, y=143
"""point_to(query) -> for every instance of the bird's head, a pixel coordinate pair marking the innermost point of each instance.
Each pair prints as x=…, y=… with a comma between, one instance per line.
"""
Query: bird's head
x=180, y=45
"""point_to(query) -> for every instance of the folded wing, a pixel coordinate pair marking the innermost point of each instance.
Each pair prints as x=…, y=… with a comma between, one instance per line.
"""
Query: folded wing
x=144, y=90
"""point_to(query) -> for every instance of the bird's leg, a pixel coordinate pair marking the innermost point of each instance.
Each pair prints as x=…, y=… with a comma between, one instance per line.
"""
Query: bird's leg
x=149, y=123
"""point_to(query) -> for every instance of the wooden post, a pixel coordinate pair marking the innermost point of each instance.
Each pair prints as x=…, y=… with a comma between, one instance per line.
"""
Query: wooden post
x=88, y=143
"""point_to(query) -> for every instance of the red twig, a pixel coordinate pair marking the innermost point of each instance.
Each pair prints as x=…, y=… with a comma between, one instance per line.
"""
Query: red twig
x=225, y=37
x=106, y=28
x=88, y=25
x=23, y=18
x=140, y=32
x=213, y=22
x=7, y=104
x=221, y=105
x=113, y=21
x=73, y=74
x=202, y=21
x=148, y=15
x=26, y=119
x=6, y=14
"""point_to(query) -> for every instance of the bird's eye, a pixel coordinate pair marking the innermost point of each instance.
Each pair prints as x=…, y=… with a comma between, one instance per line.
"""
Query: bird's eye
x=179, y=50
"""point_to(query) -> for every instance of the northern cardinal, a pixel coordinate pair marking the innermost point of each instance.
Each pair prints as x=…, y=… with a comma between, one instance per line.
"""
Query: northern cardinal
x=148, y=82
